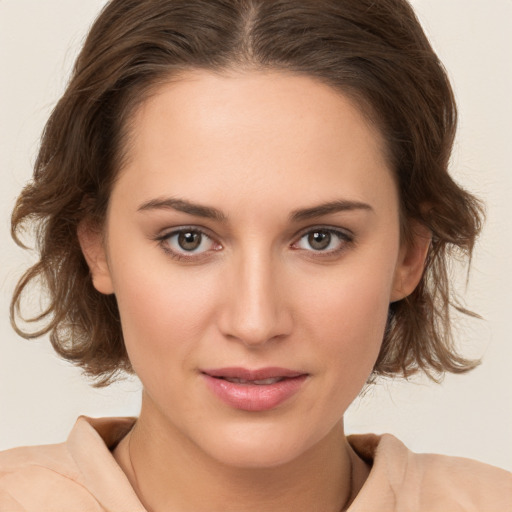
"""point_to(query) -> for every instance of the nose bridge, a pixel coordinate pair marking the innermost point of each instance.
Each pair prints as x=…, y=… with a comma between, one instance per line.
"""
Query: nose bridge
x=256, y=311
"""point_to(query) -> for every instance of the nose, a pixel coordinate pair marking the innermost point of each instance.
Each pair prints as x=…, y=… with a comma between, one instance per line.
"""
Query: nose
x=256, y=311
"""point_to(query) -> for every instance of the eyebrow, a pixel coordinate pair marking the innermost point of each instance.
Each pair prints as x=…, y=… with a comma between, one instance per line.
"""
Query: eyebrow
x=181, y=205
x=209, y=212
x=328, y=208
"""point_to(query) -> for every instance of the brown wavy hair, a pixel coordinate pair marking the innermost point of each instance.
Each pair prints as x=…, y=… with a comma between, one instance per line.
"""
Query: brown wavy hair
x=374, y=51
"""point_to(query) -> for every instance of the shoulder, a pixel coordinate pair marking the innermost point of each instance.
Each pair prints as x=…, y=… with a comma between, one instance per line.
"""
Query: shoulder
x=431, y=483
x=464, y=484
x=32, y=478
x=79, y=475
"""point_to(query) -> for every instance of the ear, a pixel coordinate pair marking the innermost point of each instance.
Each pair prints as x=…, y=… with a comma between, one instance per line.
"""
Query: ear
x=93, y=248
x=411, y=261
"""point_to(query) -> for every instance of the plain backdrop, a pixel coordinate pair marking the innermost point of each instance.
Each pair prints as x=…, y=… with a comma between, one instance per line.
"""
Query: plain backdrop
x=470, y=415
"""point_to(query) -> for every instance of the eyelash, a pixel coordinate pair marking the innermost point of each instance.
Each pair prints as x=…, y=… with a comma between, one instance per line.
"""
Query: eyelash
x=344, y=238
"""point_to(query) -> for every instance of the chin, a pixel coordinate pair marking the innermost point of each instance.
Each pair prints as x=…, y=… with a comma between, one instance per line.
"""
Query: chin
x=262, y=445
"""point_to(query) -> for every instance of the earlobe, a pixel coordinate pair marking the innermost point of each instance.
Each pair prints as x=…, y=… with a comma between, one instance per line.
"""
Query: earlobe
x=92, y=243
x=411, y=262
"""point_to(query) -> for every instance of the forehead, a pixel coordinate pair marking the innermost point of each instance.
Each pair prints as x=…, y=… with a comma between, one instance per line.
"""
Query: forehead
x=260, y=132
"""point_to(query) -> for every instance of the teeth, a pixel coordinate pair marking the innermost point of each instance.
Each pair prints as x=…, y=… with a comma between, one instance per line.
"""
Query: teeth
x=261, y=382
x=264, y=382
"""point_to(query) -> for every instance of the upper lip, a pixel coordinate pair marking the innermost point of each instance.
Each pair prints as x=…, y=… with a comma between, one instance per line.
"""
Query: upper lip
x=246, y=374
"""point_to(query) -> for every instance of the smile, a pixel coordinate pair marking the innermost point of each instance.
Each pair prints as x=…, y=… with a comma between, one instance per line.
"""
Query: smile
x=253, y=390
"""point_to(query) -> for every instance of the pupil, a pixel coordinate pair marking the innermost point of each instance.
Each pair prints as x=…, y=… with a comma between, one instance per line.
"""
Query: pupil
x=319, y=240
x=189, y=241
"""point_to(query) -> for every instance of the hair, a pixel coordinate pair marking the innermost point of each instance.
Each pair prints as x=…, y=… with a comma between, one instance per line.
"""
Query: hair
x=373, y=51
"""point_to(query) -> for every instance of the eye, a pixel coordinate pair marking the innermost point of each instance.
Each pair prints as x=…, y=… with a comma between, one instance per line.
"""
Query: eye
x=323, y=240
x=187, y=243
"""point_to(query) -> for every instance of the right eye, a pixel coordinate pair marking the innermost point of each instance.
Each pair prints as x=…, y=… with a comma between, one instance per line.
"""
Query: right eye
x=187, y=243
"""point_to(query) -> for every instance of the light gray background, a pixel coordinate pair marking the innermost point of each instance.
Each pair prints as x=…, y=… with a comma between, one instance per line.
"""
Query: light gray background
x=40, y=396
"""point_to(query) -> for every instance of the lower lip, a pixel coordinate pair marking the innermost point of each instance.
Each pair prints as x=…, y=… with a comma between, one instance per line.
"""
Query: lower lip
x=254, y=397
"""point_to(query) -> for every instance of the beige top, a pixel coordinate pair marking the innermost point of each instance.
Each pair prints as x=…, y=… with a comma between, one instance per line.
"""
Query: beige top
x=81, y=475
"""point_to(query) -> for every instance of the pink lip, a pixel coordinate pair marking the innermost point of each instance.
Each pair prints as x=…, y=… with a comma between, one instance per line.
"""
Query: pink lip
x=254, y=397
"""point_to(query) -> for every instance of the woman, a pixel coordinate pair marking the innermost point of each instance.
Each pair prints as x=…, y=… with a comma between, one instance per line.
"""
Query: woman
x=247, y=204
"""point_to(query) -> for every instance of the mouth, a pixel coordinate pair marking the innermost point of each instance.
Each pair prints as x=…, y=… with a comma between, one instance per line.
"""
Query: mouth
x=254, y=390
x=257, y=382
x=260, y=377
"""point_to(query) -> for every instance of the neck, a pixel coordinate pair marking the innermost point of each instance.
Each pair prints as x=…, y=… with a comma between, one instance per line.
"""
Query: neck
x=170, y=472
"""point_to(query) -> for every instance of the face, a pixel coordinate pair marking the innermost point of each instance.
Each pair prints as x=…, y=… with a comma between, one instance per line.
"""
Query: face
x=252, y=242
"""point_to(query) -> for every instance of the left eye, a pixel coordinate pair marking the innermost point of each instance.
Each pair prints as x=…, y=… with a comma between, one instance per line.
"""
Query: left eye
x=189, y=241
x=322, y=240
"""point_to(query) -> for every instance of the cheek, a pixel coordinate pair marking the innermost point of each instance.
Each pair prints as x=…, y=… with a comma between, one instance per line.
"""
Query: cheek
x=343, y=320
x=347, y=315
x=161, y=312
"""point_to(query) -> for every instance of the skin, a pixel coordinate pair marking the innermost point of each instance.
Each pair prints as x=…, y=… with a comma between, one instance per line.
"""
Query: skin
x=257, y=147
